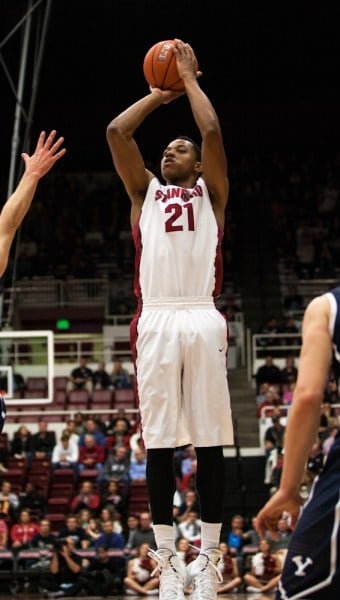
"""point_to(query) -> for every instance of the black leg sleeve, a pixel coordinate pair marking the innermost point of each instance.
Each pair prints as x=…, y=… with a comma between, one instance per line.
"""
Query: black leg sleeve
x=210, y=483
x=161, y=483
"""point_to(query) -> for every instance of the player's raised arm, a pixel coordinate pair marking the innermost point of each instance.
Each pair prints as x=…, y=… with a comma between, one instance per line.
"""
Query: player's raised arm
x=48, y=150
x=214, y=161
x=304, y=415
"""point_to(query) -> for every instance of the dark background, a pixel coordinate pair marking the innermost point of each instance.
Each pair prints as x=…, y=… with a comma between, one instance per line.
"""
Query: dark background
x=272, y=71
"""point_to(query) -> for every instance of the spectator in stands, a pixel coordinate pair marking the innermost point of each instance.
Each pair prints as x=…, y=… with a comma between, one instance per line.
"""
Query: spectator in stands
x=64, y=572
x=185, y=552
x=110, y=514
x=270, y=327
x=23, y=532
x=70, y=430
x=143, y=534
x=65, y=455
x=271, y=400
x=332, y=392
x=268, y=373
x=190, y=528
x=289, y=371
x=275, y=477
x=293, y=301
x=132, y=523
x=333, y=432
x=93, y=530
x=187, y=460
x=75, y=532
x=265, y=570
x=101, y=425
x=79, y=420
x=251, y=543
x=229, y=573
x=21, y=444
x=120, y=377
x=119, y=435
x=136, y=438
x=104, y=575
x=261, y=393
x=86, y=498
x=91, y=428
x=81, y=377
x=137, y=471
x=287, y=394
x=252, y=538
x=113, y=498
x=190, y=503
x=33, y=499
x=189, y=479
x=43, y=441
x=274, y=435
x=92, y=456
x=113, y=540
x=4, y=455
x=236, y=537
x=288, y=326
x=101, y=379
x=9, y=499
x=283, y=535
x=326, y=420
x=84, y=516
x=117, y=466
x=3, y=530
x=139, y=578
x=44, y=541
x=121, y=414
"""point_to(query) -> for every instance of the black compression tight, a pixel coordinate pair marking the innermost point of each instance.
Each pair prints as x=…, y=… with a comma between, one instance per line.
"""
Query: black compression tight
x=160, y=477
x=209, y=481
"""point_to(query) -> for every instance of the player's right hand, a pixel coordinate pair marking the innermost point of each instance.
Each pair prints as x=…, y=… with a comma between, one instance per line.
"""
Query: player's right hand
x=279, y=503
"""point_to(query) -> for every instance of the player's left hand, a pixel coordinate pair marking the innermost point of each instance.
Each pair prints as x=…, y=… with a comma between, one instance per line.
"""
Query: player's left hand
x=167, y=96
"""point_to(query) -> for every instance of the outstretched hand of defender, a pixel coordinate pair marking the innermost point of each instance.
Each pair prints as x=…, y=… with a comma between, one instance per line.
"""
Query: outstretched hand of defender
x=46, y=154
x=279, y=503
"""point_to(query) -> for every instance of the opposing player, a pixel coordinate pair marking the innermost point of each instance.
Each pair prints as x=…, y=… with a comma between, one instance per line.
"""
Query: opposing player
x=312, y=568
x=47, y=152
x=179, y=338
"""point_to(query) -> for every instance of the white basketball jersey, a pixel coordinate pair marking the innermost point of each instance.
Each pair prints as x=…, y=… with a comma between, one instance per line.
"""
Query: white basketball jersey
x=178, y=243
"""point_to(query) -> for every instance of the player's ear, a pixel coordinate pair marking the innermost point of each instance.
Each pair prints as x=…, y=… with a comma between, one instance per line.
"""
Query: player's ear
x=198, y=168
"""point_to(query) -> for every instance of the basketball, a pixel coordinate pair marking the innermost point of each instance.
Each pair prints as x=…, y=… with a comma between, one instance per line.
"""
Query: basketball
x=160, y=68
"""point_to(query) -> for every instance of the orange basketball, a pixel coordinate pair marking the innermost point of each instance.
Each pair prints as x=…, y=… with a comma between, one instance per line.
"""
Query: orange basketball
x=160, y=68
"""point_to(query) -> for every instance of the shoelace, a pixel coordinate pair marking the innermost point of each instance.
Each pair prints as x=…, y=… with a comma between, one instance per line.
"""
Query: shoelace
x=202, y=584
x=171, y=581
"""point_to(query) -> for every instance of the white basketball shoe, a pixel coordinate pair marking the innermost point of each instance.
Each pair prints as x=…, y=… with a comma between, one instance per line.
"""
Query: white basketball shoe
x=205, y=575
x=173, y=576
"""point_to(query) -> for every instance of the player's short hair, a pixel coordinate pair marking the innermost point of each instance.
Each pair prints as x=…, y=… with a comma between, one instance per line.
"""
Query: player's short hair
x=195, y=146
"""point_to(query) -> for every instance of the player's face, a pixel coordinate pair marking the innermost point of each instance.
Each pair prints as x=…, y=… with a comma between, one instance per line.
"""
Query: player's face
x=179, y=160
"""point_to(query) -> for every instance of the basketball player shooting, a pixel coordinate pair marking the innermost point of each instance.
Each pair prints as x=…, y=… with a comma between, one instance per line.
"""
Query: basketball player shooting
x=45, y=155
x=311, y=568
x=178, y=337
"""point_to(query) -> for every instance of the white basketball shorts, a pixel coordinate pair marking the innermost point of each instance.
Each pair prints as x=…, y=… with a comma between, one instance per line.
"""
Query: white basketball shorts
x=180, y=352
